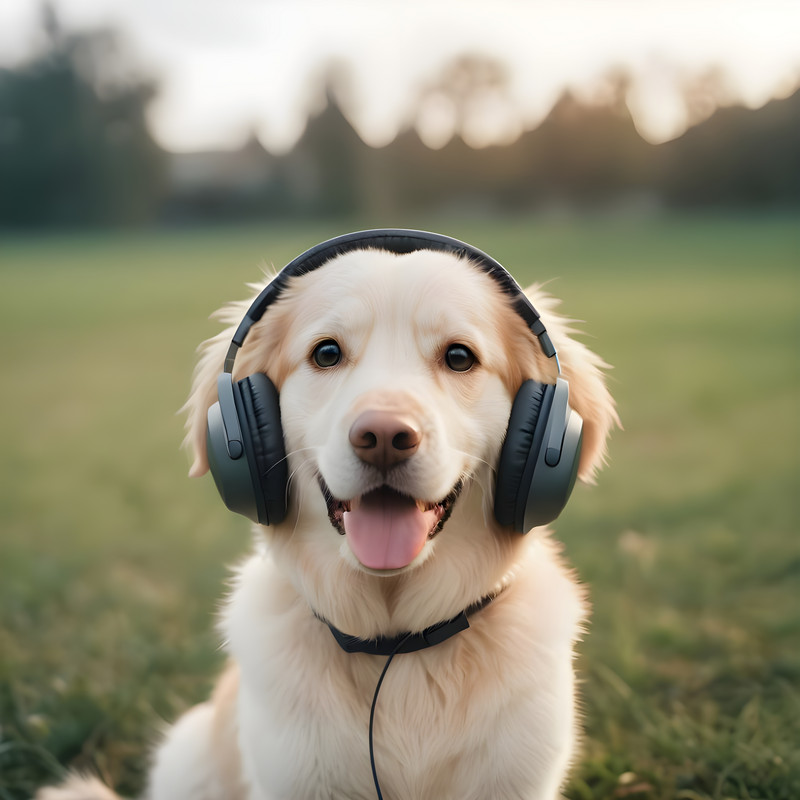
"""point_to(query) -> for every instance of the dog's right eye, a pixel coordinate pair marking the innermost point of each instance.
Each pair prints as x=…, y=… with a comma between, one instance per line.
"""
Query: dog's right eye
x=327, y=354
x=459, y=358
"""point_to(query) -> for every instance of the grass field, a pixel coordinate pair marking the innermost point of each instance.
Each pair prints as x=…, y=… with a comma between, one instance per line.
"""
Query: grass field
x=112, y=561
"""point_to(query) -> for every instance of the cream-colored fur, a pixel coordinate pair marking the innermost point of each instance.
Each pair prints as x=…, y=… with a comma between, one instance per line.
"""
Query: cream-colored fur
x=490, y=713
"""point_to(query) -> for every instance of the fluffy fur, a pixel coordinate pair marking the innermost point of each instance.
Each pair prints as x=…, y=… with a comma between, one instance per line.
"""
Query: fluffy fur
x=490, y=713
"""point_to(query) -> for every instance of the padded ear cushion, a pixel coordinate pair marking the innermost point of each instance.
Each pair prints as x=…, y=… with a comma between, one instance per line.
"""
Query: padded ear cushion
x=263, y=440
x=520, y=449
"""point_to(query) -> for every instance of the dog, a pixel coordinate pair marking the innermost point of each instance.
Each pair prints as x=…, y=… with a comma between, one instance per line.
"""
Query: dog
x=397, y=631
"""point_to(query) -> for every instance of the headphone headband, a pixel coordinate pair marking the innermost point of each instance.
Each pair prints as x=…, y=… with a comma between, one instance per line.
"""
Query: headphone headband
x=395, y=240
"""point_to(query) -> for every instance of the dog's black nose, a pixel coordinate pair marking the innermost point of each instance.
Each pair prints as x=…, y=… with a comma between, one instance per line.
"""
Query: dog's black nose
x=384, y=438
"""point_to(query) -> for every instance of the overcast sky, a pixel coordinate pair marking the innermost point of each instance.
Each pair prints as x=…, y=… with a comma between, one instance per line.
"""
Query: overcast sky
x=228, y=67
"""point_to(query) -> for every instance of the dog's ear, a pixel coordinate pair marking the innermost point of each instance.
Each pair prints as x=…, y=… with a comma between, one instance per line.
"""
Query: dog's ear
x=588, y=393
x=264, y=351
x=204, y=388
x=260, y=353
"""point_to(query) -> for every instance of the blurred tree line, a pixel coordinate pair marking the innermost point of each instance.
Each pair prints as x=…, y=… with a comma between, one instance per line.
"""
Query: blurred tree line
x=75, y=149
x=584, y=156
x=74, y=144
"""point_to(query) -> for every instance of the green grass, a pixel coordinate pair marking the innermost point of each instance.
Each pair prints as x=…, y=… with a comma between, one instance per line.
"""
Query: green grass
x=112, y=561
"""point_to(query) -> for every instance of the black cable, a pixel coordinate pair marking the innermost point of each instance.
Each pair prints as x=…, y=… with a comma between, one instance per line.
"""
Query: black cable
x=372, y=713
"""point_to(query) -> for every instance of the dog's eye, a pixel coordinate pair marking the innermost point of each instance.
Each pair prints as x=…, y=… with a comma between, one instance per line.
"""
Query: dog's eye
x=327, y=353
x=459, y=358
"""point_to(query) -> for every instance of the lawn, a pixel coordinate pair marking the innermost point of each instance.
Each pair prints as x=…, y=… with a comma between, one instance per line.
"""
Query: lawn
x=112, y=561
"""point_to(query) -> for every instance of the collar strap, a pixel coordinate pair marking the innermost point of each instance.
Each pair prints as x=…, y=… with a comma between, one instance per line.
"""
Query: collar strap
x=409, y=642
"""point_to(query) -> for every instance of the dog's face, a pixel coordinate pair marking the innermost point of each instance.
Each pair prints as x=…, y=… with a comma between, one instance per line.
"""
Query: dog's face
x=394, y=396
x=396, y=376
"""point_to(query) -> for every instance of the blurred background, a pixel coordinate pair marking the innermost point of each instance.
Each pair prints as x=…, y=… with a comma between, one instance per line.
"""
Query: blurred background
x=642, y=159
x=132, y=114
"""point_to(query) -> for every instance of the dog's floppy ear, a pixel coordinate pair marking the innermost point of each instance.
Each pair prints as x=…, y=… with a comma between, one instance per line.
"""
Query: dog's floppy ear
x=588, y=393
x=261, y=352
x=204, y=387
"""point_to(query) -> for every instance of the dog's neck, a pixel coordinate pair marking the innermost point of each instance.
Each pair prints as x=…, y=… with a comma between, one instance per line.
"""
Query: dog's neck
x=409, y=641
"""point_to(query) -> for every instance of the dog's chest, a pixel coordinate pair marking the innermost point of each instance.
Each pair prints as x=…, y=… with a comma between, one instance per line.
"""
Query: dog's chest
x=486, y=714
x=438, y=734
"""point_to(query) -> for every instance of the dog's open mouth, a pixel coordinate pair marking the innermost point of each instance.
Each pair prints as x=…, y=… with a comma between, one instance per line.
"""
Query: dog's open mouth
x=386, y=529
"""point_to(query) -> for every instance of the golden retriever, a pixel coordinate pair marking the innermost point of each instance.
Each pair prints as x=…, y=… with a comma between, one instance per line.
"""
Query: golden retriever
x=426, y=345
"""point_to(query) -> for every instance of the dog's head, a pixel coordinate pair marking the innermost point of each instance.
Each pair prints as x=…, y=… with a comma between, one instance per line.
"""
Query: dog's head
x=396, y=375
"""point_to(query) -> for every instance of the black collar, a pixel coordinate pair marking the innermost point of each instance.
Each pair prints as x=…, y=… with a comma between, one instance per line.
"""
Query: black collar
x=409, y=642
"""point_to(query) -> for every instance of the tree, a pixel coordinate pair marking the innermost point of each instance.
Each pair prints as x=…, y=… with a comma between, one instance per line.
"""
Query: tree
x=74, y=143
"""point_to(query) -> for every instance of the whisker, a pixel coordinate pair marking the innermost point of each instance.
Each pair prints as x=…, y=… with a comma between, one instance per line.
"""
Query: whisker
x=292, y=453
x=479, y=478
x=473, y=457
x=302, y=465
x=298, y=486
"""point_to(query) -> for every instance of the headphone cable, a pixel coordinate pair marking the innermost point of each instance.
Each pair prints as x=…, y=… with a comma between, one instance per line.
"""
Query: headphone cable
x=372, y=713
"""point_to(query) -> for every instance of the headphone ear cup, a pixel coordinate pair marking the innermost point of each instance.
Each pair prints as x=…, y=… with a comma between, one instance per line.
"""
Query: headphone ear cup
x=523, y=437
x=539, y=460
x=550, y=477
x=260, y=415
x=227, y=457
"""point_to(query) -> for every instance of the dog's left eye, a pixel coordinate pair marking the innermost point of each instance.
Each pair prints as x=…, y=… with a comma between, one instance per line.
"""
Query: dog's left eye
x=459, y=358
x=327, y=353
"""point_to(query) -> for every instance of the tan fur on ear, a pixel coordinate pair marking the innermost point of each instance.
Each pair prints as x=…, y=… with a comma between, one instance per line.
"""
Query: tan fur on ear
x=588, y=393
x=204, y=382
x=262, y=351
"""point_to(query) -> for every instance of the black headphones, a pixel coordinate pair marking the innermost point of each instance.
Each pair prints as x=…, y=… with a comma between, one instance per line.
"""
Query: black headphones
x=539, y=459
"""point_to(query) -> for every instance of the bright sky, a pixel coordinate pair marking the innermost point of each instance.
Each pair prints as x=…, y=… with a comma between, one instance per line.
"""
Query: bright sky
x=228, y=67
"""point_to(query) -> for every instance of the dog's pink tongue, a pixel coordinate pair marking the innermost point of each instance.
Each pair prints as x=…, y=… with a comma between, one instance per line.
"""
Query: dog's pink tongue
x=386, y=530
